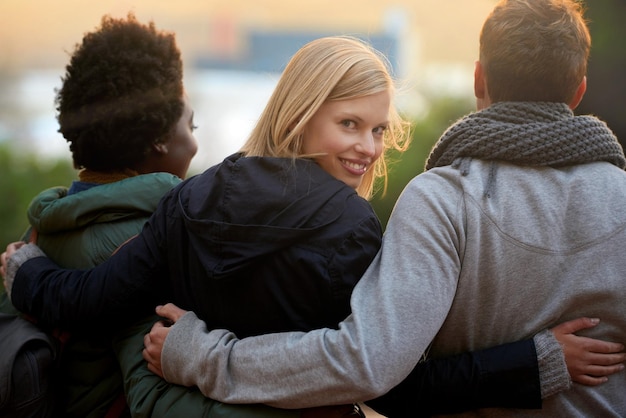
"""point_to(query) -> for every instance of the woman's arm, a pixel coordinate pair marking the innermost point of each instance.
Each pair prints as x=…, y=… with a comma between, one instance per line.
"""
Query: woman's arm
x=127, y=285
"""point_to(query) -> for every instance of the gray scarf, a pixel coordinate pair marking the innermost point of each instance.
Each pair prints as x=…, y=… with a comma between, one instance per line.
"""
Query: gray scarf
x=528, y=133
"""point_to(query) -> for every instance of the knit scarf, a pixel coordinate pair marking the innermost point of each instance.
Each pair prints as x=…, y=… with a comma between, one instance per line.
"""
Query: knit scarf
x=528, y=133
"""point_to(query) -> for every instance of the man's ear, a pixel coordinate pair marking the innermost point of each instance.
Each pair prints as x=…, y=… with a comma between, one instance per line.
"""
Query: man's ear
x=580, y=92
x=480, y=88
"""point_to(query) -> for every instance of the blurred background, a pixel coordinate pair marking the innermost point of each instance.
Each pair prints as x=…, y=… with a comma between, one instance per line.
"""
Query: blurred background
x=234, y=51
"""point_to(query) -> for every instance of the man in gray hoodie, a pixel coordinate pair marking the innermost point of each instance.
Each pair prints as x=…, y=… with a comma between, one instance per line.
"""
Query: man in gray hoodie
x=516, y=224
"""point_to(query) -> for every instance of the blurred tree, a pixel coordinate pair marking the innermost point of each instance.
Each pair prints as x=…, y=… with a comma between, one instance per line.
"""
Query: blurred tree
x=8, y=112
x=402, y=168
x=24, y=176
x=606, y=85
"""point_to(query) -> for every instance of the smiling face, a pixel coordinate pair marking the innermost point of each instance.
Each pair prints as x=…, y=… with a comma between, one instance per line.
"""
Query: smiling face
x=348, y=136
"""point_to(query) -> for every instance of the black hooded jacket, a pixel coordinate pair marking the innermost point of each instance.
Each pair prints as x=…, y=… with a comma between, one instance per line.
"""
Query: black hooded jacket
x=255, y=245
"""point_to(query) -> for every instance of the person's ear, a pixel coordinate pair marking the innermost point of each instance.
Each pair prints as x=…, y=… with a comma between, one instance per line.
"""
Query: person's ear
x=580, y=92
x=160, y=147
x=480, y=88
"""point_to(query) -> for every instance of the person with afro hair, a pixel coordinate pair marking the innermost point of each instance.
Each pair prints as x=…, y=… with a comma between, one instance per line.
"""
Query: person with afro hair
x=123, y=109
x=124, y=112
x=121, y=100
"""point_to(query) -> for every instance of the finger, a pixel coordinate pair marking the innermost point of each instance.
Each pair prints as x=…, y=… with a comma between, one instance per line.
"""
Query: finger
x=606, y=347
x=165, y=310
x=170, y=311
x=11, y=248
x=148, y=343
x=591, y=380
x=146, y=355
x=151, y=364
x=600, y=371
x=155, y=370
x=600, y=346
x=575, y=325
x=149, y=358
x=156, y=327
x=605, y=359
x=158, y=336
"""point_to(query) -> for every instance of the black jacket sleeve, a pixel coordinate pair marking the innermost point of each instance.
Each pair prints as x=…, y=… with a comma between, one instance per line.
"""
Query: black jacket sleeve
x=505, y=376
x=125, y=287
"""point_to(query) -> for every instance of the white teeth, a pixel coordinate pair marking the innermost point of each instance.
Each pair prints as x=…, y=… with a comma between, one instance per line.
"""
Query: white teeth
x=354, y=165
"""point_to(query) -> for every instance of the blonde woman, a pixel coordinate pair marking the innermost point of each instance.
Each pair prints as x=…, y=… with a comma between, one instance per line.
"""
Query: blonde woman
x=272, y=239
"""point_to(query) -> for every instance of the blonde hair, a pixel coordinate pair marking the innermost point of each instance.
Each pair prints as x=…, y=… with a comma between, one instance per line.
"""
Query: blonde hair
x=331, y=68
x=534, y=50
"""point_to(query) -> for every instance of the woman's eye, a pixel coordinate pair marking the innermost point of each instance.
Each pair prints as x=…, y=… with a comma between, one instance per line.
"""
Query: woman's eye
x=193, y=127
x=348, y=123
x=380, y=130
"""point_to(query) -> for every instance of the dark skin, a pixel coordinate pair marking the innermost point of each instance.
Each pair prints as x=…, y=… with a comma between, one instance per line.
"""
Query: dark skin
x=175, y=153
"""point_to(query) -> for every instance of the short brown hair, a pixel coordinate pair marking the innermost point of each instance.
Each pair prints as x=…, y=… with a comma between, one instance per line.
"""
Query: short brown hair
x=534, y=50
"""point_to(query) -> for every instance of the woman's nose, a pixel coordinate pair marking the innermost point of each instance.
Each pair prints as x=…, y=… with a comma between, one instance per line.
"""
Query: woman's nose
x=366, y=145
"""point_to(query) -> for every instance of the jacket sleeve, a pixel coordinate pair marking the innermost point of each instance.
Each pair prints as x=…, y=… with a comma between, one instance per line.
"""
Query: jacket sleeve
x=149, y=395
x=125, y=287
x=513, y=375
x=504, y=376
x=397, y=310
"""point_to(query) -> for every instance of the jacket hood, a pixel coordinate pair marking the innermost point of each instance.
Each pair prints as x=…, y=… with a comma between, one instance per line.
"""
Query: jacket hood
x=249, y=207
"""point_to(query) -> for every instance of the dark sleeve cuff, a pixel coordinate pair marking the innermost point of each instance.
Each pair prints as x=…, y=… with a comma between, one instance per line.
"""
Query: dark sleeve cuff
x=505, y=376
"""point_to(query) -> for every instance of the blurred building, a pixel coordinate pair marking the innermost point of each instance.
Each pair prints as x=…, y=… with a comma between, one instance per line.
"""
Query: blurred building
x=234, y=51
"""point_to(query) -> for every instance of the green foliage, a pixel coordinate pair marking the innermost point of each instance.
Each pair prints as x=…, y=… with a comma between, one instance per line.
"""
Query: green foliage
x=425, y=133
x=23, y=177
x=606, y=84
